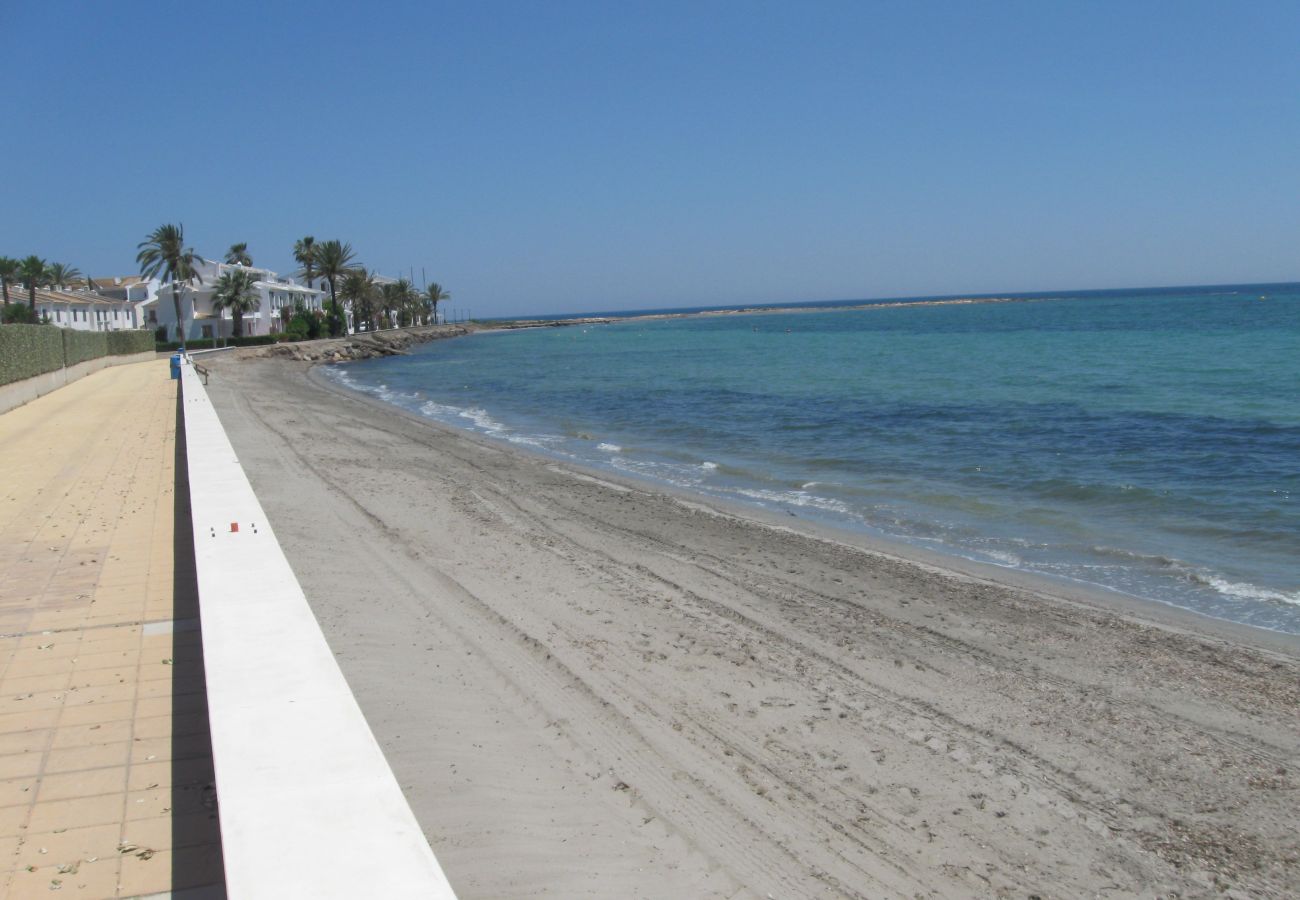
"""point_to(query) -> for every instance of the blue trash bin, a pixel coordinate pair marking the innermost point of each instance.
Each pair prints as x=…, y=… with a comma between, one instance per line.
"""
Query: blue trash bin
x=176, y=366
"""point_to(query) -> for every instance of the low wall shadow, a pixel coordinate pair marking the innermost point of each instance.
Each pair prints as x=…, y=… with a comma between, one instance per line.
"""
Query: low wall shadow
x=198, y=870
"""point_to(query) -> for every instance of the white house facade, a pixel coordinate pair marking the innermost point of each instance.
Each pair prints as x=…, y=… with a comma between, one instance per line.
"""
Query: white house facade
x=80, y=310
x=278, y=297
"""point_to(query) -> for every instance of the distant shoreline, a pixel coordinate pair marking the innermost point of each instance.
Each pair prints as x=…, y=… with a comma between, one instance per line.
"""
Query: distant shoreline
x=596, y=317
x=511, y=324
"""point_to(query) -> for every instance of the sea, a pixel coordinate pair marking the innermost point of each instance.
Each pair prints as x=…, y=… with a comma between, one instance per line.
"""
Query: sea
x=1145, y=442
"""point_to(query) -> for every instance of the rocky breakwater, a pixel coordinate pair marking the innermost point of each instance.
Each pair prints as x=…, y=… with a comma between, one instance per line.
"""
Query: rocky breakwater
x=358, y=346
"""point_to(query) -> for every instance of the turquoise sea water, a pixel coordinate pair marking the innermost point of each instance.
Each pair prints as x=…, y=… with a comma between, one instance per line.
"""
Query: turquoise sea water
x=1145, y=442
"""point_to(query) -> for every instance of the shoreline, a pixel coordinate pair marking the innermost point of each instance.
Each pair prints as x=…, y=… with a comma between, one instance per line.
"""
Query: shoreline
x=599, y=689
x=1138, y=608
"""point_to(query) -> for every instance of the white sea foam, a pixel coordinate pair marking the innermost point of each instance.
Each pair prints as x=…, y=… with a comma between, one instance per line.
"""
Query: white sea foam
x=1239, y=591
x=481, y=419
x=795, y=498
x=610, y=448
x=1003, y=558
x=710, y=466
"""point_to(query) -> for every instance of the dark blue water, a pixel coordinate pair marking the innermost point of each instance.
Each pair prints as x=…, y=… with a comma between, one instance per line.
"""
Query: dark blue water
x=1148, y=442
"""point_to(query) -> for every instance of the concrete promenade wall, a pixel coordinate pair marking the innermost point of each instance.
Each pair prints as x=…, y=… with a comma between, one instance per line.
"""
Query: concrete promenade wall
x=17, y=393
x=309, y=806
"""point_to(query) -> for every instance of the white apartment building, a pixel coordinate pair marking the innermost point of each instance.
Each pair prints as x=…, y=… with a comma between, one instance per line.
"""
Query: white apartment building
x=79, y=310
x=277, y=296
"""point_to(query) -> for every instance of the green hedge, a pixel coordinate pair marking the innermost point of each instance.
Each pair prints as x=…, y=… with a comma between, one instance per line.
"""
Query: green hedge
x=28, y=350
x=125, y=343
x=252, y=340
x=79, y=346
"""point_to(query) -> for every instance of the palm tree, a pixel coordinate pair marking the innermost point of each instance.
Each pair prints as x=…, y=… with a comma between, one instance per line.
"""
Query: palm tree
x=405, y=296
x=34, y=273
x=237, y=255
x=392, y=297
x=436, y=295
x=359, y=290
x=164, y=251
x=334, y=259
x=61, y=275
x=304, y=251
x=8, y=272
x=235, y=292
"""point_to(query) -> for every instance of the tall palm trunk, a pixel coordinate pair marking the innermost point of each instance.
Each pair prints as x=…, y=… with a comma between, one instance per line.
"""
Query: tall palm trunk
x=180, y=323
x=336, y=315
x=31, y=297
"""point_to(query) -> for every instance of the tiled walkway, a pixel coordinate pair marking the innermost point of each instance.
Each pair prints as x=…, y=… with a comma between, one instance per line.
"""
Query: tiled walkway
x=105, y=763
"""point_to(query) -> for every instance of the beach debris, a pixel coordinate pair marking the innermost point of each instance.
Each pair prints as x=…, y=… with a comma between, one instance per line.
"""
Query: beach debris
x=622, y=786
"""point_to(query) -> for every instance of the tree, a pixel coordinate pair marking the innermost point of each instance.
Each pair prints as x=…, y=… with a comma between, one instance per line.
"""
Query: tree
x=304, y=251
x=334, y=259
x=8, y=272
x=34, y=273
x=60, y=275
x=359, y=290
x=164, y=251
x=436, y=295
x=407, y=302
x=392, y=299
x=237, y=255
x=235, y=292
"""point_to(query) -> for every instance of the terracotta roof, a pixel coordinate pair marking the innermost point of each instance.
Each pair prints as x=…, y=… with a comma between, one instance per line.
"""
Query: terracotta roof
x=117, y=281
x=45, y=295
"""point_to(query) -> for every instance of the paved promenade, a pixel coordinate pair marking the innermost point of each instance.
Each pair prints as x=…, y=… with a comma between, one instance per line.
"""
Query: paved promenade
x=106, y=786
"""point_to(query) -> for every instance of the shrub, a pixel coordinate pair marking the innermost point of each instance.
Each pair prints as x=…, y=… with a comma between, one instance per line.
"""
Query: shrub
x=297, y=330
x=255, y=340
x=160, y=334
x=28, y=350
x=123, y=343
x=79, y=346
x=18, y=314
x=312, y=320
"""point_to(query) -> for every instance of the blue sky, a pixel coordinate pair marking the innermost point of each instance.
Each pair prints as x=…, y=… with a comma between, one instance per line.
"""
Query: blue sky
x=549, y=157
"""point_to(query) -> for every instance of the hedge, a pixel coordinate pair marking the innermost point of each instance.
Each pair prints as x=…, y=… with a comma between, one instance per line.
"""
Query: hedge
x=125, y=343
x=29, y=350
x=79, y=346
x=252, y=340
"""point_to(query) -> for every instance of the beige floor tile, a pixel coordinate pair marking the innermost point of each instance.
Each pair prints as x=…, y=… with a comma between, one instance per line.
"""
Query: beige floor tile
x=123, y=690
x=86, y=783
x=71, y=844
x=93, y=756
x=24, y=741
x=76, y=813
x=38, y=684
x=90, y=881
x=17, y=791
x=116, y=659
x=13, y=820
x=93, y=713
x=21, y=765
x=98, y=733
x=28, y=721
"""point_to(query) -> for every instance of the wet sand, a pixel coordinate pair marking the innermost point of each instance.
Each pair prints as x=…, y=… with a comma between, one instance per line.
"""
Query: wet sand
x=591, y=688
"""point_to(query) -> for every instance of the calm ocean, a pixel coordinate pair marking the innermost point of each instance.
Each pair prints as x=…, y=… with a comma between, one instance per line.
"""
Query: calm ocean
x=1145, y=441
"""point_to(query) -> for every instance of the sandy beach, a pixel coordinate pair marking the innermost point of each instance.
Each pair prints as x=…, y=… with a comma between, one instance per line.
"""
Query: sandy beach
x=591, y=688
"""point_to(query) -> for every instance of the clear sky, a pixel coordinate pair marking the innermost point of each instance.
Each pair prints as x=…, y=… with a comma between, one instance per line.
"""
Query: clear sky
x=560, y=156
